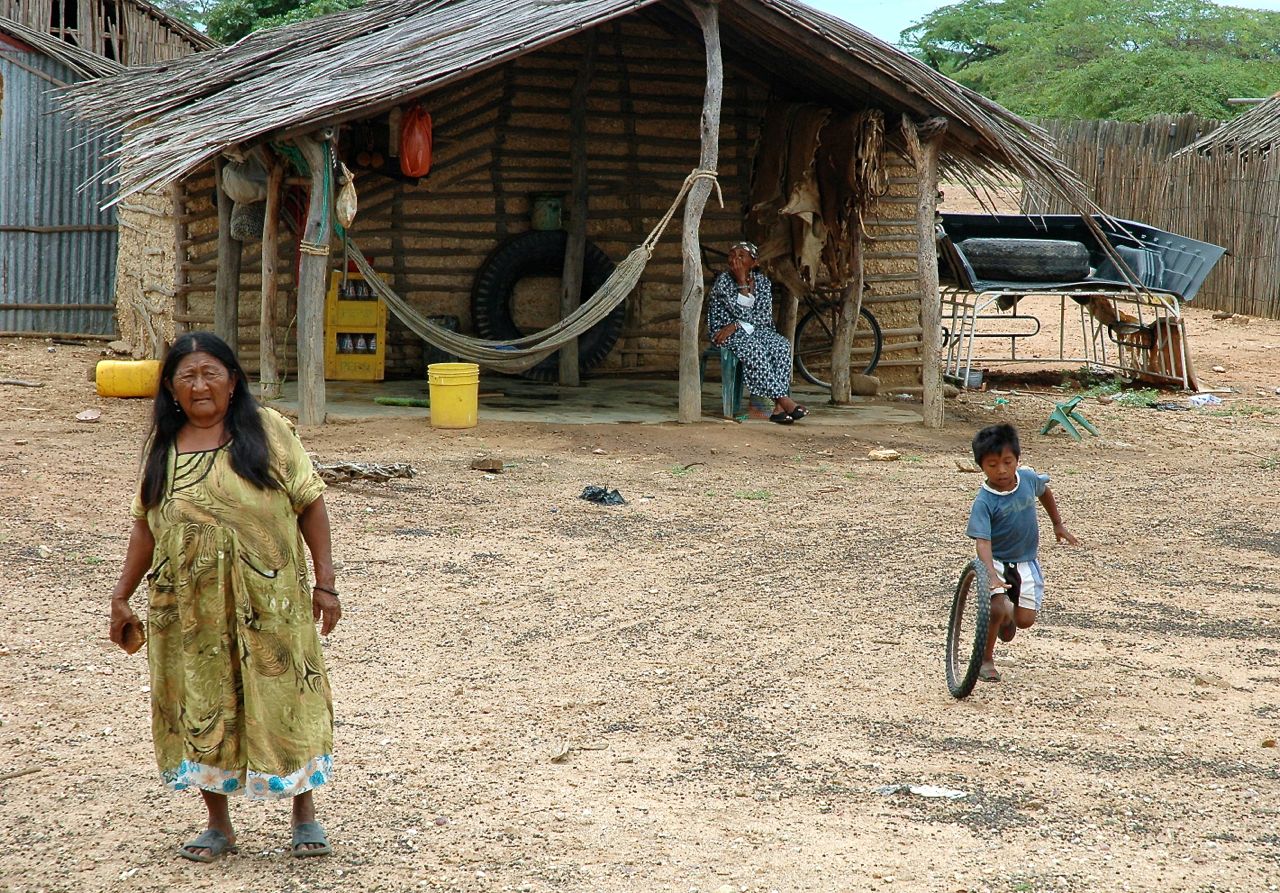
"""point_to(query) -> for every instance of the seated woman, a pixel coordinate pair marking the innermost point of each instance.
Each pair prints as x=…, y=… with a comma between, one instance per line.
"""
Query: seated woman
x=740, y=317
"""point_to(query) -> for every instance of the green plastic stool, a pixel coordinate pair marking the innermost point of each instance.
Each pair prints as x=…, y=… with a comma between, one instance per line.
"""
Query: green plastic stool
x=732, y=385
x=1064, y=414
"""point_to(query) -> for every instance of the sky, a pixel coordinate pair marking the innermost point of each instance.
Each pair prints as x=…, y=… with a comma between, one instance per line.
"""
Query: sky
x=887, y=18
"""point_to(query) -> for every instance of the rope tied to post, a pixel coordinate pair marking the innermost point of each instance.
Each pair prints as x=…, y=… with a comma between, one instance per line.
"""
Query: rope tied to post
x=695, y=175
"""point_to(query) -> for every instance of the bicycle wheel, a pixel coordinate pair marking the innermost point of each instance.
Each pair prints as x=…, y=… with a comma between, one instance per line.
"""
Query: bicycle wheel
x=967, y=631
x=814, y=336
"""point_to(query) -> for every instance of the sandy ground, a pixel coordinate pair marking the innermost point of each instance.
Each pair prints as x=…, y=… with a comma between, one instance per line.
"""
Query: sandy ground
x=734, y=661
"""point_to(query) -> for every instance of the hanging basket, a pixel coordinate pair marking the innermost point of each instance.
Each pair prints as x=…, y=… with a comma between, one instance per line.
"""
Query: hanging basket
x=247, y=221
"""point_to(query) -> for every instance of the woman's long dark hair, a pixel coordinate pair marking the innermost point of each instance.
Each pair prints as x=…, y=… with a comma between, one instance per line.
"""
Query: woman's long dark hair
x=250, y=457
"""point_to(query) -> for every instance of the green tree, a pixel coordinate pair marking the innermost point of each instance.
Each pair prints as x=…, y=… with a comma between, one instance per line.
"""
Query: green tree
x=1122, y=59
x=226, y=21
x=230, y=20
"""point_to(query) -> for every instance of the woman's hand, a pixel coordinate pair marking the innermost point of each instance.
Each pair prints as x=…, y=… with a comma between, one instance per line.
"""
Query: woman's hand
x=720, y=337
x=740, y=266
x=121, y=614
x=325, y=605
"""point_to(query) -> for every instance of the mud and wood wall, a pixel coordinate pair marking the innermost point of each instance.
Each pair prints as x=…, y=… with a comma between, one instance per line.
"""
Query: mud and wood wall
x=502, y=136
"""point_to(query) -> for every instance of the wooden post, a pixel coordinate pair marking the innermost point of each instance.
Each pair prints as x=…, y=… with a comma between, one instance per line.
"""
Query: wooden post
x=226, y=286
x=930, y=143
x=842, y=344
x=312, y=274
x=576, y=244
x=268, y=370
x=693, y=292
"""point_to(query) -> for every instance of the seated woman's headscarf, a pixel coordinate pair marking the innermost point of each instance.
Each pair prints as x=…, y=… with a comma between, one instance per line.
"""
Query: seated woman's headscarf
x=750, y=247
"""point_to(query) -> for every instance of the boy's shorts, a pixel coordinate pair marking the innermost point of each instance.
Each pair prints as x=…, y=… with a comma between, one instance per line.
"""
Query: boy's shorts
x=1030, y=593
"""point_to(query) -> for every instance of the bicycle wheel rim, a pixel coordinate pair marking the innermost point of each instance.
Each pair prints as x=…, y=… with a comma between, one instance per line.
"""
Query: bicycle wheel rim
x=967, y=629
x=814, y=335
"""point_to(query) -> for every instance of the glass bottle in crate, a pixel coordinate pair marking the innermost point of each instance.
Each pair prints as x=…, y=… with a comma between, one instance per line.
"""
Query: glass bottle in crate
x=345, y=344
x=362, y=346
x=373, y=342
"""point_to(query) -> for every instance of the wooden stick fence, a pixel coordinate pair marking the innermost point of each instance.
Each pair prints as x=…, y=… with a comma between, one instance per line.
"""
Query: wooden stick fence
x=1226, y=198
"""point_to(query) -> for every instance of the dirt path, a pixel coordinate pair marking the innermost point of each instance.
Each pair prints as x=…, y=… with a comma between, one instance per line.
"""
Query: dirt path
x=735, y=660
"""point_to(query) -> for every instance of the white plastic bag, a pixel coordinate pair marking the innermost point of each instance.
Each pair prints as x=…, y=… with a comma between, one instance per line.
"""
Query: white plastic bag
x=245, y=181
x=345, y=205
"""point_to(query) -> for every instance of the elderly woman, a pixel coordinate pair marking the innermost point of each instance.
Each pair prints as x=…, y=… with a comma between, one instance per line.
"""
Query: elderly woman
x=740, y=317
x=239, y=694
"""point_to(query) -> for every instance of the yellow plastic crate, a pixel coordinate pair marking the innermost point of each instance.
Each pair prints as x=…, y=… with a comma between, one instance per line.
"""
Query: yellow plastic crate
x=355, y=331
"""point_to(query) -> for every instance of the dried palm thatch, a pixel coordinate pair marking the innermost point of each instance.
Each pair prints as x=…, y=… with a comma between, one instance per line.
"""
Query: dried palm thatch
x=1257, y=130
x=276, y=83
x=80, y=61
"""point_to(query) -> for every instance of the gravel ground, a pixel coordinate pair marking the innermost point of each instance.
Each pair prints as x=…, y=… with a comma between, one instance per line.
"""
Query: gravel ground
x=702, y=689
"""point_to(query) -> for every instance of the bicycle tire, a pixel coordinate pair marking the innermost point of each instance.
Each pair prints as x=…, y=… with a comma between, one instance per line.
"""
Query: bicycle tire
x=814, y=337
x=964, y=652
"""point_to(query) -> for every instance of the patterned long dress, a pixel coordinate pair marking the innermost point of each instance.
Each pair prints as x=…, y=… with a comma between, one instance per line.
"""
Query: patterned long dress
x=764, y=354
x=240, y=697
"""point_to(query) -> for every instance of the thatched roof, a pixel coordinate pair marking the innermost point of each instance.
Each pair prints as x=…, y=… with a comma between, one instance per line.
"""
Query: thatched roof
x=1256, y=130
x=176, y=116
x=80, y=61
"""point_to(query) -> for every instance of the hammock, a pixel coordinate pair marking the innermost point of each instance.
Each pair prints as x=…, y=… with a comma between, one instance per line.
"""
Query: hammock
x=520, y=354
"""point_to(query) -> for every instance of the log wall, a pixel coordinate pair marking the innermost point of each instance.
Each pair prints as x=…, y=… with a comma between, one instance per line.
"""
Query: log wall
x=502, y=136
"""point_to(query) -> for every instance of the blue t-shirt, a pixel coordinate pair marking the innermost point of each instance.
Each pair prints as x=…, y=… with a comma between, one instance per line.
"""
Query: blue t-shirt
x=1009, y=519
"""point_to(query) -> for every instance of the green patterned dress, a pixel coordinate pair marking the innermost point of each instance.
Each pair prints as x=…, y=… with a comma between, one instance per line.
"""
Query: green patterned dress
x=239, y=693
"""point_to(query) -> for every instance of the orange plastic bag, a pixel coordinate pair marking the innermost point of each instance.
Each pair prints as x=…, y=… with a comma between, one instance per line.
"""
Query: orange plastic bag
x=415, y=142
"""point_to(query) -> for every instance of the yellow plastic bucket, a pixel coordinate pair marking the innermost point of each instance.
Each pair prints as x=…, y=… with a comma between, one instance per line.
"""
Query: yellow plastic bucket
x=127, y=378
x=455, y=394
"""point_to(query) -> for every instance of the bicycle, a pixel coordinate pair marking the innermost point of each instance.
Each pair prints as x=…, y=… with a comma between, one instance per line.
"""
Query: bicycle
x=816, y=332
x=968, y=628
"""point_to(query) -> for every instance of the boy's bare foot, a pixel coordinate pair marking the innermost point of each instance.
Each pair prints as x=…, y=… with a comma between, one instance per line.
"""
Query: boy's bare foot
x=988, y=672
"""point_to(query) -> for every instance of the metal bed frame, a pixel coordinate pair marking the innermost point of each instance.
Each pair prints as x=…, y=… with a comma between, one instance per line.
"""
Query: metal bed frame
x=972, y=309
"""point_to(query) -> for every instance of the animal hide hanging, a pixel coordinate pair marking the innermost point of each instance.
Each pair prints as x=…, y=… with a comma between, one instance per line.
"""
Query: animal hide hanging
x=816, y=175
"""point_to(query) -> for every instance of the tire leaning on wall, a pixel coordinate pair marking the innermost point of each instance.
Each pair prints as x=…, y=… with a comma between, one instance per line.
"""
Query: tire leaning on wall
x=541, y=253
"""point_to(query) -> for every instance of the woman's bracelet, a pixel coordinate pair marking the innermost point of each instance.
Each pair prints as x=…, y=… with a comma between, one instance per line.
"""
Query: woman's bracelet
x=332, y=592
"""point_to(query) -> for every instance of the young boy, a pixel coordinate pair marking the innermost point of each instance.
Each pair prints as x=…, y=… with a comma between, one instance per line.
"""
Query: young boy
x=1004, y=525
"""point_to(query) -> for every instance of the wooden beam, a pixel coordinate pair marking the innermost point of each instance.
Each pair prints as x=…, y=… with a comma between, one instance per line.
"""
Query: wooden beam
x=842, y=344
x=313, y=271
x=930, y=136
x=576, y=245
x=226, y=295
x=693, y=290
x=268, y=371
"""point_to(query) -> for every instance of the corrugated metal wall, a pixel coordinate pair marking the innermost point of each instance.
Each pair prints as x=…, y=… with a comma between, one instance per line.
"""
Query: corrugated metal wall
x=57, y=250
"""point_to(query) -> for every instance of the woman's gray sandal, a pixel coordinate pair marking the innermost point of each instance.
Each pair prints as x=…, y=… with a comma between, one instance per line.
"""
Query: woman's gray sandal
x=305, y=834
x=210, y=839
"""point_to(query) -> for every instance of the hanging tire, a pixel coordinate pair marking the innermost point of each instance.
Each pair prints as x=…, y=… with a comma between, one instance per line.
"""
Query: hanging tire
x=541, y=253
x=1027, y=260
